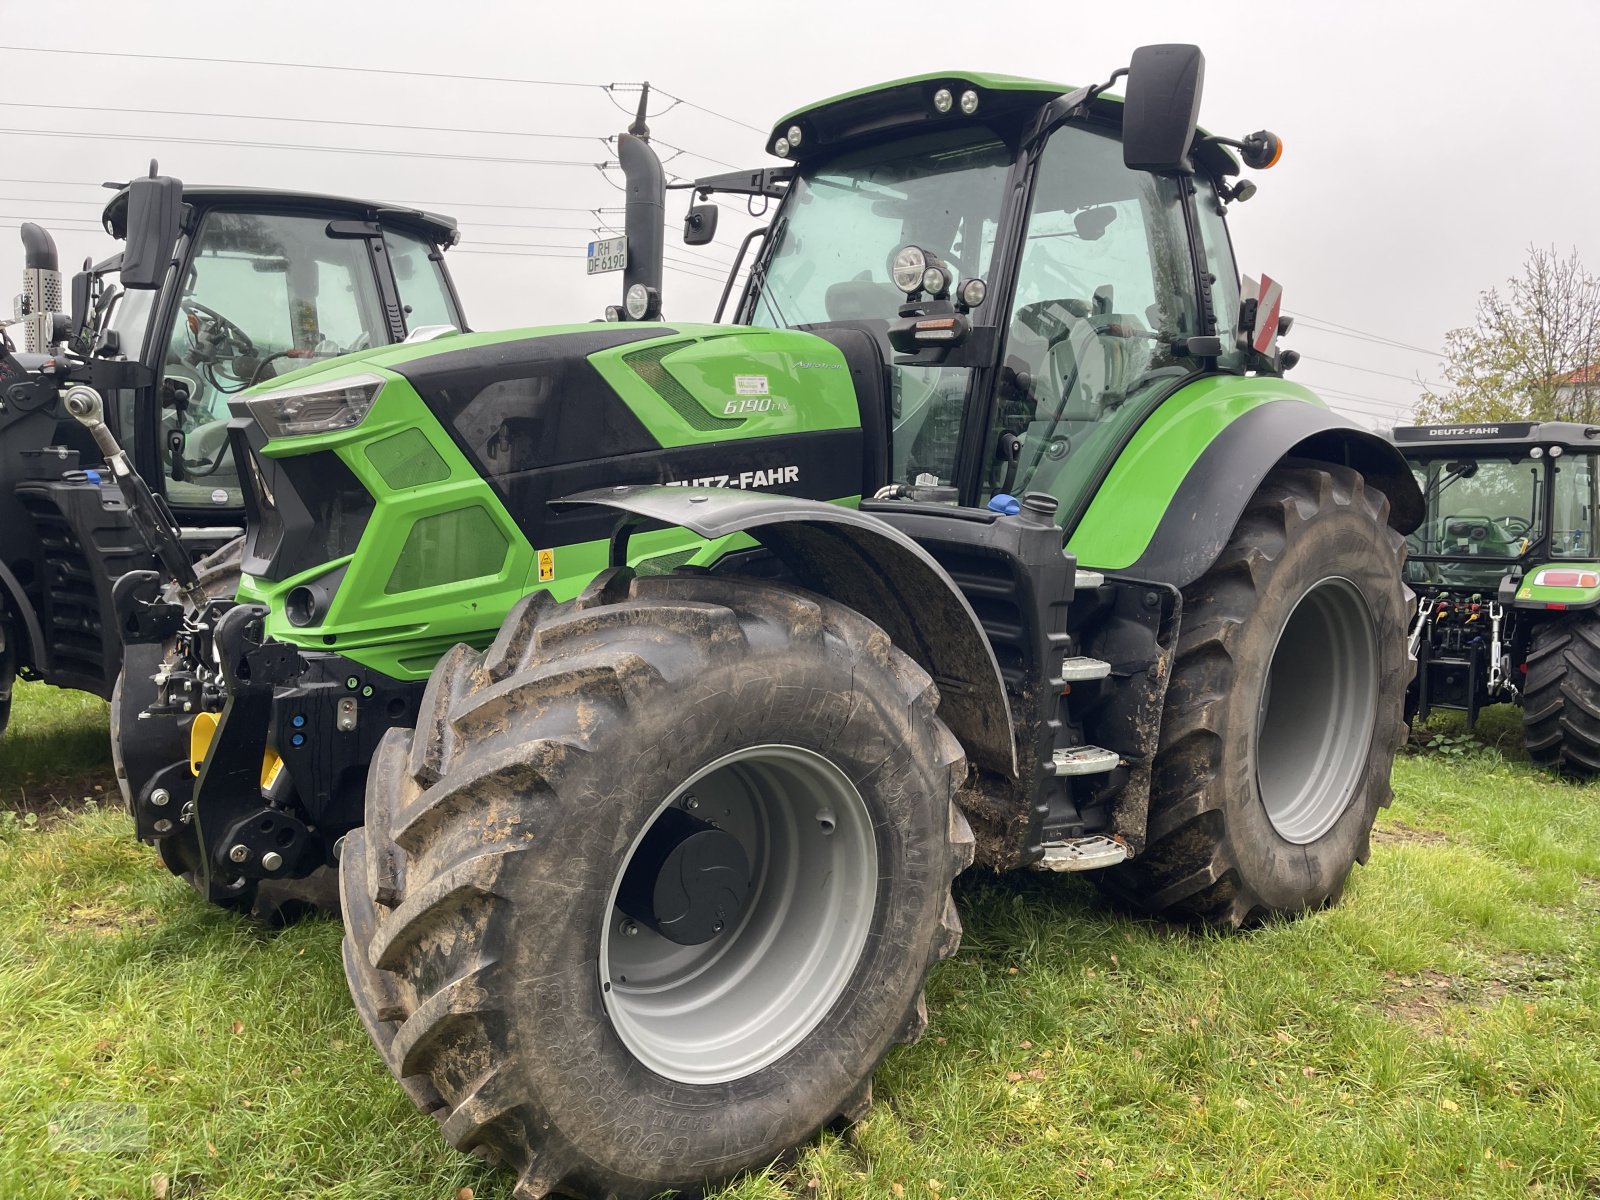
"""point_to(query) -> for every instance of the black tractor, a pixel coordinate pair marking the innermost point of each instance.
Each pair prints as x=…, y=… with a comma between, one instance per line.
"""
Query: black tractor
x=216, y=289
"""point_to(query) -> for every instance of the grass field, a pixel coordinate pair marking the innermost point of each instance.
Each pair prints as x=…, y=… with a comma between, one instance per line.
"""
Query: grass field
x=1437, y=1034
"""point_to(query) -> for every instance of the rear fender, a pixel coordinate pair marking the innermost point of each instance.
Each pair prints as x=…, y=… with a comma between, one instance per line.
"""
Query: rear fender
x=1216, y=485
x=873, y=568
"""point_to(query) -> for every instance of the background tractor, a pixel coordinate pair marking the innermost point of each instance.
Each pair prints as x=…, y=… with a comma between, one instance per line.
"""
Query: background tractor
x=1507, y=577
x=649, y=682
x=216, y=289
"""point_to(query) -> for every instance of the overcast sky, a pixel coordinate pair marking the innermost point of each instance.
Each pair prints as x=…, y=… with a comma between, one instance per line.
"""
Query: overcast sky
x=1426, y=144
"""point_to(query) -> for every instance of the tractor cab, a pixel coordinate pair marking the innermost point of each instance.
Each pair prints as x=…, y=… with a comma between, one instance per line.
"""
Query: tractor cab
x=216, y=289
x=1032, y=275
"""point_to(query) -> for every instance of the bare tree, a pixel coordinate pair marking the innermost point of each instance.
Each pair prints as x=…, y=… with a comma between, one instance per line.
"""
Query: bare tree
x=1533, y=354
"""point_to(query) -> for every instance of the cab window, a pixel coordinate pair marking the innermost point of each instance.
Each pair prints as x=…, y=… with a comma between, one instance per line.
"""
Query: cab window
x=1104, y=288
x=424, y=295
x=265, y=295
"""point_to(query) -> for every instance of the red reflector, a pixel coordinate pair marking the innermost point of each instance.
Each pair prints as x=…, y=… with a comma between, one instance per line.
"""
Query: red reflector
x=1557, y=607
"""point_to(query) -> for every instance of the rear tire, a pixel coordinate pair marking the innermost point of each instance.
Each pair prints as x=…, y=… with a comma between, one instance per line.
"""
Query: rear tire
x=1284, y=711
x=8, y=669
x=1561, y=700
x=485, y=946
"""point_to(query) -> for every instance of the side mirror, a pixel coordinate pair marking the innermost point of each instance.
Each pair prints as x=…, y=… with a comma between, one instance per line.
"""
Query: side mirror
x=1162, y=108
x=82, y=284
x=700, y=226
x=155, y=210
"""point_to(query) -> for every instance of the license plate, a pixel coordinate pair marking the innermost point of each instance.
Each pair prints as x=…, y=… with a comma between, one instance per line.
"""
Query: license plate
x=608, y=255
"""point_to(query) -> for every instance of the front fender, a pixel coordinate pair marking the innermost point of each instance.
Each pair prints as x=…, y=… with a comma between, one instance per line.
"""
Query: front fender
x=1172, y=499
x=873, y=568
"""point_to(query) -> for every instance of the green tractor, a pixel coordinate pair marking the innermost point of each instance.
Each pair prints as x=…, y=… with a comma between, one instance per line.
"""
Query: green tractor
x=648, y=683
x=1507, y=576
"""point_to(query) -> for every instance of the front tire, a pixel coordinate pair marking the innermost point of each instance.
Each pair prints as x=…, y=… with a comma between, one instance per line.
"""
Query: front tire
x=550, y=1025
x=1284, y=712
x=1561, y=703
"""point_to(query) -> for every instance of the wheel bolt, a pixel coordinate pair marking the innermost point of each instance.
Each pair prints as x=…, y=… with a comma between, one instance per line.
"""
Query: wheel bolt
x=160, y=797
x=629, y=928
x=239, y=852
x=691, y=803
x=163, y=826
x=271, y=860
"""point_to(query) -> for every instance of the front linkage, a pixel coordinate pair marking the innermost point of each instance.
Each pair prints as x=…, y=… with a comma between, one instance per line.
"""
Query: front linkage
x=251, y=756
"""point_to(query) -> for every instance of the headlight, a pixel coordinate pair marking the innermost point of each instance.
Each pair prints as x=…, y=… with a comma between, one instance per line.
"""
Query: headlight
x=321, y=408
x=908, y=268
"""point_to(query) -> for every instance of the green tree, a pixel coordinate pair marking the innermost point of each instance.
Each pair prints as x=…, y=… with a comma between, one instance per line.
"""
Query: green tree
x=1532, y=354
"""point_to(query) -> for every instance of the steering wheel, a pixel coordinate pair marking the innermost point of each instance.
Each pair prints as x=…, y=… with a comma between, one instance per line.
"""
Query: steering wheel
x=1052, y=319
x=1517, y=526
x=212, y=337
x=1471, y=526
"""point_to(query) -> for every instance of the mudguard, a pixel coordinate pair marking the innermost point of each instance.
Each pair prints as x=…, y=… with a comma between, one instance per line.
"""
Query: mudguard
x=15, y=601
x=1211, y=496
x=873, y=568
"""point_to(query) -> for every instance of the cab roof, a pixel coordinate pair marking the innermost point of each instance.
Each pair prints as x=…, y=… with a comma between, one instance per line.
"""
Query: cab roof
x=903, y=105
x=433, y=226
x=1485, y=436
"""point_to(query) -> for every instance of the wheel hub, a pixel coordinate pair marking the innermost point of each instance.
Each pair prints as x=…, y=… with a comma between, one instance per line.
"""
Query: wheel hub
x=688, y=880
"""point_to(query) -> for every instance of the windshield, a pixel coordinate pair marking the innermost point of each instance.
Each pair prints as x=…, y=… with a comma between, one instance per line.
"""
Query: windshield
x=1481, y=515
x=831, y=249
x=1572, y=526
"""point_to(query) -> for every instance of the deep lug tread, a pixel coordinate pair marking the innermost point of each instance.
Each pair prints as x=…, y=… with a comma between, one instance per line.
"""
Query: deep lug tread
x=445, y=998
x=1561, y=698
x=1190, y=868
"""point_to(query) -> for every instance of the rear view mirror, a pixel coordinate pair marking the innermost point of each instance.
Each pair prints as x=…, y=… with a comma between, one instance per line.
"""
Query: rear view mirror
x=1162, y=108
x=155, y=210
x=81, y=299
x=700, y=226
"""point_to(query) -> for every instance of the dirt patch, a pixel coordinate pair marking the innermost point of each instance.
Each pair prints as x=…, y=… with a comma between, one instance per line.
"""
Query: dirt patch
x=1440, y=1005
x=51, y=799
x=1392, y=832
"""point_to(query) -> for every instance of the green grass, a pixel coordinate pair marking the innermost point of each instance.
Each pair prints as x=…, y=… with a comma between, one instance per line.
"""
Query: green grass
x=1436, y=1034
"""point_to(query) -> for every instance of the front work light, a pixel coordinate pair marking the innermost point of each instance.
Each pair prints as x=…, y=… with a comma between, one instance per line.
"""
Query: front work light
x=781, y=147
x=969, y=102
x=910, y=264
x=943, y=100
x=794, y=135
x=320, y=408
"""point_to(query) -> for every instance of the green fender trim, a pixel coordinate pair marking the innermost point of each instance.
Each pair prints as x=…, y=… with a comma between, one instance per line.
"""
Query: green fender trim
x=1533, y=595
x=1122, y=518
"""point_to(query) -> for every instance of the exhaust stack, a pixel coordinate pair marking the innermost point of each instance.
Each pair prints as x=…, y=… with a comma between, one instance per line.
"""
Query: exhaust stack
x=644, y=217
x=40, y=302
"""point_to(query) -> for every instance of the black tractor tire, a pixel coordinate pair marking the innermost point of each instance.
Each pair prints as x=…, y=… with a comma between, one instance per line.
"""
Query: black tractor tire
x=482, y=945
x=1284, y=710
x=8, y=668
x=276, y=901
x=1561, y=695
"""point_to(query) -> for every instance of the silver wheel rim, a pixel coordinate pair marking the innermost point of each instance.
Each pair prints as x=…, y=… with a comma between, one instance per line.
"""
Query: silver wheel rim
x=1318, y=704
x=728, y=1007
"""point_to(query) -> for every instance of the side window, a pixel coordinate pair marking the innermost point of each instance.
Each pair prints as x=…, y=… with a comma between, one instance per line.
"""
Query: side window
x=420, y=281
x=1224, y=271
x=265, y=294
x=1104, y=288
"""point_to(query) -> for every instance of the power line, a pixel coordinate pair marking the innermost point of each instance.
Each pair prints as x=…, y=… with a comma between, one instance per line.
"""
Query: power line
x=1356, y=330
x=1368, y=370
x=297, y=147
x=1302, y=323
x=608, y=88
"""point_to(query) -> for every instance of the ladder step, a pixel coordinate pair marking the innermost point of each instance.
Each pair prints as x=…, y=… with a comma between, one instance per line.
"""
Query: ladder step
x=1087, y=580
x=1077, y=670
x=1082, y=854
x=1084, y=760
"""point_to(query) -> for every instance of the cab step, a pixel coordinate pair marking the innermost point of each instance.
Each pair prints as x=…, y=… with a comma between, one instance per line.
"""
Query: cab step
x=1082, y=854
x=1080, y=670
x=1087, y=581
x=1083, y=760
